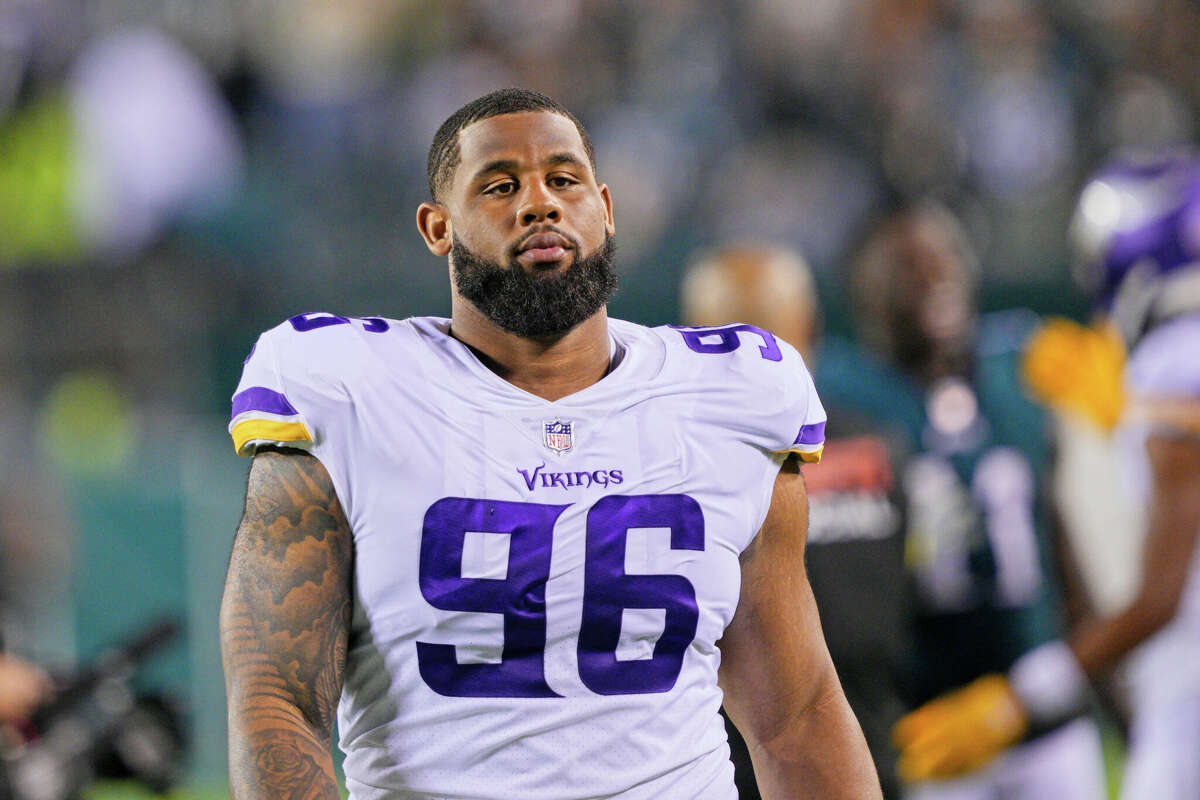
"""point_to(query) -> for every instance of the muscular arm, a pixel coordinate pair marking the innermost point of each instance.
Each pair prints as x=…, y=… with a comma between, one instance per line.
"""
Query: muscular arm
x=284, y=620
x=780, y=686
x=1172, y=530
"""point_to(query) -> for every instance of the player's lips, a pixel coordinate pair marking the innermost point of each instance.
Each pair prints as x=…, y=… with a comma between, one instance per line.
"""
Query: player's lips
x=543, y=247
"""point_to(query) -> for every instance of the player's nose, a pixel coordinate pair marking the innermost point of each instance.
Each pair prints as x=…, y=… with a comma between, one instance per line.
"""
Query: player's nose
x=539, y=205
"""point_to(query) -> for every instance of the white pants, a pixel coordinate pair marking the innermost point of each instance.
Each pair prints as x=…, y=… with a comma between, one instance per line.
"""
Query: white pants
x=1066, y=764
x=1163, y=761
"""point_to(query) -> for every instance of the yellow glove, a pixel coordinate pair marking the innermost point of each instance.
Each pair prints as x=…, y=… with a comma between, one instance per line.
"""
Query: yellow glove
x=960, y=731
x=1078, y=370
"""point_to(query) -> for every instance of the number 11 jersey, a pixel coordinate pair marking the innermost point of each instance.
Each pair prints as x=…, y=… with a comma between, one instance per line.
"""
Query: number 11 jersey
x=539, y=587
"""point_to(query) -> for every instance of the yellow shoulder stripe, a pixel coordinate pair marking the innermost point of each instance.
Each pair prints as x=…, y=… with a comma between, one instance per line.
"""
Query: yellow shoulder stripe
x=807, y=456
x=269, y=430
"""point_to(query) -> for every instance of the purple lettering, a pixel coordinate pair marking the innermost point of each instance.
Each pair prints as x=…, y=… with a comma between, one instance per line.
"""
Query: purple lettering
x=530, y=480
x=569, y=480
x=312, y=321
x=728, y=340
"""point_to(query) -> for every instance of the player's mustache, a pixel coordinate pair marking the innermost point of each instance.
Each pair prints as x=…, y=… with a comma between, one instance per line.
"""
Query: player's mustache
x=515, y=249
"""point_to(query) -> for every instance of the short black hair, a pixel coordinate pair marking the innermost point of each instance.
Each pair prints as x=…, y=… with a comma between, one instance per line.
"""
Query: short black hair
x=444, y=153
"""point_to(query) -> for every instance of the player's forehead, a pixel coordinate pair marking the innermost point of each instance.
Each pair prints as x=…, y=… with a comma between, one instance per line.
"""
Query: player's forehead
x=527, y=138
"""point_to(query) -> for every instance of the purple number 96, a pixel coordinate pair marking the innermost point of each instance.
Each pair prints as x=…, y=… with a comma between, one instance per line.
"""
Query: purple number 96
x=520, y=596
x=312, y=321
x=727, y=340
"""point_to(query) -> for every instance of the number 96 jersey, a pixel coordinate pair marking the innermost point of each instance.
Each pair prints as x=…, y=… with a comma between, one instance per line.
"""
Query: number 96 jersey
x=539, y=587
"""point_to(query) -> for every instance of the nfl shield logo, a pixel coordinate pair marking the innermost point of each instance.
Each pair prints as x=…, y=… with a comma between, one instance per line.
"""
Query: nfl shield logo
x=558, y=435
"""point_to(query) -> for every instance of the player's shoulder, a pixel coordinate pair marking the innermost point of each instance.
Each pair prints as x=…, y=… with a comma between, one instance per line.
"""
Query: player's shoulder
x=732, y=354
x=322, y=341
x=1165, y=360
x=325, y=328
x=303, y=373
x=751, y=381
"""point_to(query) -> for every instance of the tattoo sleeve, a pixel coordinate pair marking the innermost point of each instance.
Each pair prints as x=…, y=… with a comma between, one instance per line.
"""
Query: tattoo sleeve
x=285, y=617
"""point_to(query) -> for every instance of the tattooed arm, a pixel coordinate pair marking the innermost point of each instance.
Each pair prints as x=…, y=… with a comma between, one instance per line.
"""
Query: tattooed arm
x=284, y=621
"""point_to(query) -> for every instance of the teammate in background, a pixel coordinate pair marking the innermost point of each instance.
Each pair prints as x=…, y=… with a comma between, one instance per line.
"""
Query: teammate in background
x=975, y=522
x=512, y=541
x=855, y=555
x=1139, y=221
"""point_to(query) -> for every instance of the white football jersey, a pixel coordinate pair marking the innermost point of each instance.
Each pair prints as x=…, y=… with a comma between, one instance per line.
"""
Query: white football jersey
x=539, y=586
x=1162, y=378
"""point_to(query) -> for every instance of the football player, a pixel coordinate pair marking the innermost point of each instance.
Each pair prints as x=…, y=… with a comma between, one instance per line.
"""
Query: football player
x=1138, y=222
x=527, y=551
x=977, y=538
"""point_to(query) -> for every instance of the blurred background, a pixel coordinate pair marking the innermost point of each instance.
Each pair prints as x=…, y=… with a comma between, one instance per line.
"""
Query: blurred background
x=178, y=175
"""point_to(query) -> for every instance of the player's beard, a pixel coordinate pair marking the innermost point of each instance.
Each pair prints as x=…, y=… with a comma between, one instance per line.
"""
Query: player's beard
x=535, y=303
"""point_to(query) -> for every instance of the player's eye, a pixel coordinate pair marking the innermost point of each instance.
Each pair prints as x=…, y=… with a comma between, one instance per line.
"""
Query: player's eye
x=561, y=181
x=501, y=188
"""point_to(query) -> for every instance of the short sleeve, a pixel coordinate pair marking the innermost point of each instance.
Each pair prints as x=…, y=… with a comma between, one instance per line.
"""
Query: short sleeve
x=756, y=384
x=262, y=412
x=802, y=412
x=1163, y=377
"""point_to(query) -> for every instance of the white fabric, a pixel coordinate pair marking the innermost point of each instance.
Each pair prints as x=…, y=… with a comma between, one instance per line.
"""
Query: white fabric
x=1162, y=762
x=406, y=417
x=1049, y=682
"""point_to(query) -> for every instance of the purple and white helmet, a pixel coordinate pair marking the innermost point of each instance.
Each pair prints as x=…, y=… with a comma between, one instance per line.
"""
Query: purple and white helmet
x=1136, y=232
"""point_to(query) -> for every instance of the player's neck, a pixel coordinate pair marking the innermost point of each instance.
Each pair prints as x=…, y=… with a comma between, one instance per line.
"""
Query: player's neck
x=550, y=368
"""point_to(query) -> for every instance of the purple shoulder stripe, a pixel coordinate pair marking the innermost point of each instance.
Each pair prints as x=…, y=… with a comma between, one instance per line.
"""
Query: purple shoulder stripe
x=813, y=434
x=260, y=398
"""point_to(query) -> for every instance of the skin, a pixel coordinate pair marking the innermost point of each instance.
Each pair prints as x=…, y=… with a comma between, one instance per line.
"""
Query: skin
x=925, y=297
x=286, y=611
x=22, y=687
x=781, y=689
x=285, y=616
x=757, y=285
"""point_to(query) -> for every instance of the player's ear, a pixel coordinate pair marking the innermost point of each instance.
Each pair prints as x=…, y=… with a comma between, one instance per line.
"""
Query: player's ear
x=609, y=225
x=433, y=221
